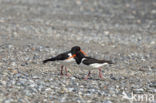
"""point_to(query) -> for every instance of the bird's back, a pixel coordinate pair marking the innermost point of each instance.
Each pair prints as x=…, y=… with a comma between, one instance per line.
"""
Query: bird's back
x=59, y=57
x=89, y=60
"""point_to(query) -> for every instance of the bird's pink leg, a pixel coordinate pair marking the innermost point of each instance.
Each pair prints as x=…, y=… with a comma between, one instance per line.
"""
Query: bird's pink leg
x=100, y=73
x=66, y=72
x=86, y=78
x=61, y=73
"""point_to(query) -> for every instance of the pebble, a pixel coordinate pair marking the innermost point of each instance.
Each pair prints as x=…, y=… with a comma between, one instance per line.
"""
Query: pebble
x=24, y=64
x=70, y=89
x=107, y=101
x=138, y=91
x=13, y=64
x=8, y=101
x=3, y=82
x=35, y=77
x=23, y=81
x=153, y=84
x=72, y=78
x=32, y=31
x=151, y=90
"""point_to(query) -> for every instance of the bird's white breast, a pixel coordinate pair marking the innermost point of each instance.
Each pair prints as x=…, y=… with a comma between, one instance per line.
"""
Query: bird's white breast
x=69, y=54
x=97, y=65
x=70, y=59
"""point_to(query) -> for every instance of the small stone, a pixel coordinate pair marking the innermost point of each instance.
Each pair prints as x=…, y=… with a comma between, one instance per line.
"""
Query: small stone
x=70, y=89
x=40, y=87
x=133, y=12
x=73, y=78
x=14, y=71
x=8, y=101
x=106, y=32
x=153, y=84
x=24, y=64
x=153, y=11
x=2, y=21
x=13, y=64
x=22, y=81
x=152, y=42
x=138, y=91
x=45, y=100
x=10, y=69
x=10, y=46
x=27, y=93
x=48, y=89
x=127, y=5
x=138, y=21
x=32, y=85
x=78, y=2
x=62, y=91
x=152, y=90
x=3, y=82
x=107, y=101
x=33, y=49
x=35, y=77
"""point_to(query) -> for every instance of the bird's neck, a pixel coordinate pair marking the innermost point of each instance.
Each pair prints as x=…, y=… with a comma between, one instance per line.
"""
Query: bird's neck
x=78, y=60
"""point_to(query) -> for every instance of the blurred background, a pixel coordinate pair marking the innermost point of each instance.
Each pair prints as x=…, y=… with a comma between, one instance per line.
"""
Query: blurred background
x=32, y=30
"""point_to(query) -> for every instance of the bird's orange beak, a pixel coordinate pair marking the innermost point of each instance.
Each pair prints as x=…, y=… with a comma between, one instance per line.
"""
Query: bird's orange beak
x=74, y=55
x=83, y=52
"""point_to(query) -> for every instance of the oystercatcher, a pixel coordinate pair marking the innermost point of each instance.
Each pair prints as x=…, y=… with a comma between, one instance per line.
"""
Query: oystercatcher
x=81, y=59
x=66, y=57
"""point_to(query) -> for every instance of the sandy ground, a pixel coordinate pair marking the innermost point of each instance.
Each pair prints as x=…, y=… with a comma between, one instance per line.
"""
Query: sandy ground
x=123, y=31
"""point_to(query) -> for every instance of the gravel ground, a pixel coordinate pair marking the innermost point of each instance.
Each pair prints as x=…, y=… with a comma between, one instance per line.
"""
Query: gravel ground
x=123, y=31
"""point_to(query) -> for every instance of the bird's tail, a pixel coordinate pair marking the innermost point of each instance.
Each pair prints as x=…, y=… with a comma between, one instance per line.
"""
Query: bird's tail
x=47, y=60
x=109, y=62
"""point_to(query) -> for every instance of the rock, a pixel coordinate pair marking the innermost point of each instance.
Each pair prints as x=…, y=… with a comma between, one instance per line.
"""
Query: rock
x=152, y=90
x=107, y=101
x=24, y=64
x=35, y=77
x=8, y=101
x=3, y=82
x=32, y=31
x=153, y=84
x=27, y=93
x=70, y=89
x=138, y=91
x=23, y=81
x=13, y=64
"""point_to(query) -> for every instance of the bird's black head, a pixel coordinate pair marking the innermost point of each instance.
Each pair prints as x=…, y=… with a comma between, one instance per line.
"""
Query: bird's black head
x=80, y=55
x=75, y=49
x=77, y=53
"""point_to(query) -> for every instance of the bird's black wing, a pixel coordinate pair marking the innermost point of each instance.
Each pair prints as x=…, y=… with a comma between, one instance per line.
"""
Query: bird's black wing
x=89, y=60
x=61, y=56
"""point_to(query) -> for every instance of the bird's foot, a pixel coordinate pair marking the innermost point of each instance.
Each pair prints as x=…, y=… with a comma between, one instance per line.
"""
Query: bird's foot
x=100, y=73
x=100, y=76
x=67, y=74
x=61, y=73
x=86, y=78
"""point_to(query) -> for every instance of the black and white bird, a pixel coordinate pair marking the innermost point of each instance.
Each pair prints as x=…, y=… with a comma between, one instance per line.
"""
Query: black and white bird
x=90, y=63
x=66, y=58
